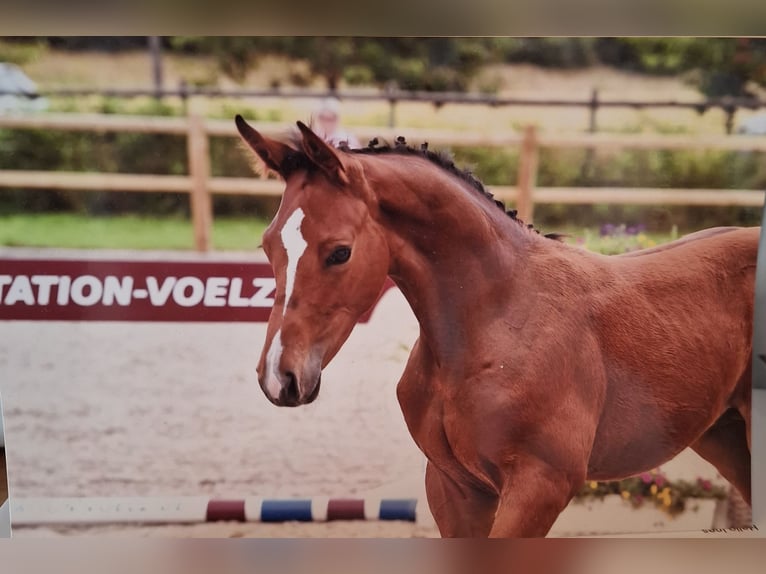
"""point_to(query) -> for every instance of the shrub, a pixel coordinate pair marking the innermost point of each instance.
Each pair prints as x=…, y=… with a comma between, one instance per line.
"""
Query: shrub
x=166, y=154
x=358, y=75
x=21, y=53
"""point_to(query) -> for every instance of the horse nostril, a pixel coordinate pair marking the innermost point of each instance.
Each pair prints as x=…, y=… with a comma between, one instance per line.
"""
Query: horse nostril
x=290, y=388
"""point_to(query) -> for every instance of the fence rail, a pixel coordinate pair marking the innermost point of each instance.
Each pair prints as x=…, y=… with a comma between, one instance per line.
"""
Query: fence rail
x=200, y=185
x=728, y=104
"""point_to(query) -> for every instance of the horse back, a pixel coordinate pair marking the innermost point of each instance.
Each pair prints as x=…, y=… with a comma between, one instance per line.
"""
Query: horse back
x=721, y=253
x=696, y=236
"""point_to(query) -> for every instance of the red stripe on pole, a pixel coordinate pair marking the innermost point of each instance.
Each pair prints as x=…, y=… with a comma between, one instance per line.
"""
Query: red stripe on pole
x=226, y=510
x=345, y=509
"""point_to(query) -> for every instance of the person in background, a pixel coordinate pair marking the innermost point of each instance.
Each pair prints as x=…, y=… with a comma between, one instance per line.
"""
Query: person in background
x=326, y=124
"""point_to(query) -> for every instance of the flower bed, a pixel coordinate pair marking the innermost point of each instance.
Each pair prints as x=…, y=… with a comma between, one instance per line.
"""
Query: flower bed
x=654, y=488
x=645, y=503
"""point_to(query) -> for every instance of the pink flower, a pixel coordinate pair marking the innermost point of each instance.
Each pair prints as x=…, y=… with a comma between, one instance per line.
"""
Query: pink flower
x=705, y=484
x=646, y=478
x=659, y=480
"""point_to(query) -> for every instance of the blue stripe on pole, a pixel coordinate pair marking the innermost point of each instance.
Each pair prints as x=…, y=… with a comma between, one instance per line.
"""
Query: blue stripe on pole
x=398, y=509
x=286, y=510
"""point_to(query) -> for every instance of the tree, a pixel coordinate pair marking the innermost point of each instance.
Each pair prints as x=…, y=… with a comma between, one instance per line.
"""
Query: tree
x=414, y=63
x=722, y=66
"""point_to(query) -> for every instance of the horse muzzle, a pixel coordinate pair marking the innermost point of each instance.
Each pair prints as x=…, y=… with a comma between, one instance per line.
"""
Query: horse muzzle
x=288, y=389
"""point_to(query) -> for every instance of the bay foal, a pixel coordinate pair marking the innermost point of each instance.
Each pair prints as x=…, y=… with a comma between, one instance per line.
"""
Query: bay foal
x=539, y=365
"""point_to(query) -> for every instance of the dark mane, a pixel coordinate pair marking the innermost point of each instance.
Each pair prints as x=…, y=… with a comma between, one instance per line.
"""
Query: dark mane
x=441, y=159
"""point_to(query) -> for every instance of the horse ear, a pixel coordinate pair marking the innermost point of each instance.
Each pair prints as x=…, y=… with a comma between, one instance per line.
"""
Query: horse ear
x=270, y=151
x=322, y=154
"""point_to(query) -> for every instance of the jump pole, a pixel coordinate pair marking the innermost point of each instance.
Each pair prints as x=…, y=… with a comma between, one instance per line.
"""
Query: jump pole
x=197, y=509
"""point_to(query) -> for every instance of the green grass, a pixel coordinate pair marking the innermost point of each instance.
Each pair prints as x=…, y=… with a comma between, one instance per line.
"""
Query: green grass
x=124, y=232
x=229, y=234
x=590, y=238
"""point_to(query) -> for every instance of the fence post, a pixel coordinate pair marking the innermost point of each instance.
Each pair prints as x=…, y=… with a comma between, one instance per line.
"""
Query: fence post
x=593, y=111
x=199, y=171
x=527, y=174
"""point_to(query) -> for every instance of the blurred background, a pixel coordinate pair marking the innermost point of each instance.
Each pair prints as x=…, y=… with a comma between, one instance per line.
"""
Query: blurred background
x=681, y=118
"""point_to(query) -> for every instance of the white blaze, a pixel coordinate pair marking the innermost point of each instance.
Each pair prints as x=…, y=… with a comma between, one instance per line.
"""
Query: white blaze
x=295, y=245
x=273, y=384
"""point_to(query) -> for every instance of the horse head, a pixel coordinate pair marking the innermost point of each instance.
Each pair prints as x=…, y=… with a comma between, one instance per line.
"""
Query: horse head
x=330, y=260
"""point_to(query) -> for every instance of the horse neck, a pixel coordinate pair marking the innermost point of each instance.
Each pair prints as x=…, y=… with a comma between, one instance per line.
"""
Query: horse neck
x=451, y=250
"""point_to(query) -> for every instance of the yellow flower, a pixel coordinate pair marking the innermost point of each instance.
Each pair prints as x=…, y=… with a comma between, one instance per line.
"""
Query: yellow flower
x=625, y=494
x=651, y=243
x=666, y=491
x=593, y=484
x=667, y=501
x=653, y=489
x=641, y=237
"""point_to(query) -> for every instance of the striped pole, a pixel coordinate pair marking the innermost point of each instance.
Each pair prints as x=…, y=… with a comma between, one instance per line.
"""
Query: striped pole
x=190, y=510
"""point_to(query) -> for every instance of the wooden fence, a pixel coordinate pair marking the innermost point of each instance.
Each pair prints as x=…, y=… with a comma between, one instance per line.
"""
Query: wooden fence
x=525, y=194
x=728, y=104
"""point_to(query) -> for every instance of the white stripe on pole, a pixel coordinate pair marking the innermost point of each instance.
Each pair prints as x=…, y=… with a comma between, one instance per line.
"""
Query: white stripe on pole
x=160, y=510
x=371, y=508
x=253, y=508
x=319, y=508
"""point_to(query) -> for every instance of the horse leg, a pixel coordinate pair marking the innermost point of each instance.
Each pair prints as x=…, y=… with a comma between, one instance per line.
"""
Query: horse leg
x=532, y=498
x=459, y=511
x=725, y=446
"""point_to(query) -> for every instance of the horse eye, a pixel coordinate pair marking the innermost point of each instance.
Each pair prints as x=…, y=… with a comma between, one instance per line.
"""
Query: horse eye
x=339, y=256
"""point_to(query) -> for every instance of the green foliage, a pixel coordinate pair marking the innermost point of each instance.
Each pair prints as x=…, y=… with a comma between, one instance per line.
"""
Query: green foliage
x=228, y=110
x=664, y=55
x=413, y=63
x=613, y=240
x=76, y=231
x=86, y=152
x=21, y=53
x=148, y=107
x=629, y=168
x=235, y=55
x=548, y=52
x=724, y=66
x=719, y=66
x=166, y=154
x=492, y=166
x=358, y=75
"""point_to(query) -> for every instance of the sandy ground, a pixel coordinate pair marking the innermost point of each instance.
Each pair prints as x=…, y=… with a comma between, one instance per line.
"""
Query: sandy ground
x=136, y=409
x=168, y=409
